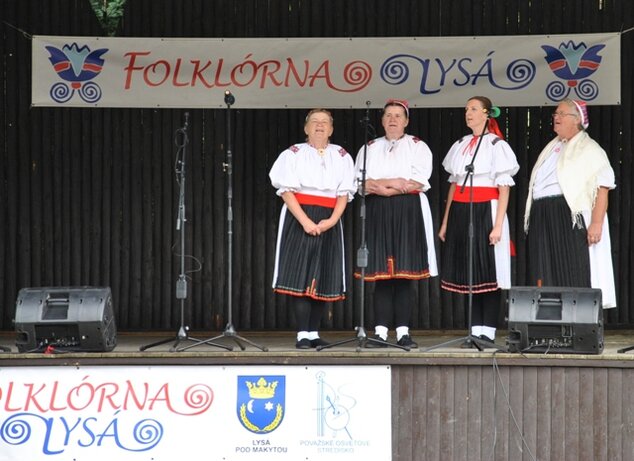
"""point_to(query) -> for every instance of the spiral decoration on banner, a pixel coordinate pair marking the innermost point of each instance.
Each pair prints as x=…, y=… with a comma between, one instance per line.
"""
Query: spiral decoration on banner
x=90, y=92
x=358, y=74
x=199, y=397
x=16, y=430
x=148, y=432
x=395, y=70
x=587, y=90
x=521, y=71
x=557, y=91
x=61, y=92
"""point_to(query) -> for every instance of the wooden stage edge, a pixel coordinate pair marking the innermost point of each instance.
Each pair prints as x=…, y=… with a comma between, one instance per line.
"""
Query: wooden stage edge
x=281, y=351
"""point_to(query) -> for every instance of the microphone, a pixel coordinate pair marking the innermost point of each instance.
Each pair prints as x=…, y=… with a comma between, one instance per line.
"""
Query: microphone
x=365, y=121
x=494, y=112
x=366, y=117
x=186, y=119
x=229, y=98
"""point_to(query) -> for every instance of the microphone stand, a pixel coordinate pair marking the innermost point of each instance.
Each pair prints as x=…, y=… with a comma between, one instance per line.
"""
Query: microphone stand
x=470, y=341
x=181, y=283
x=230, y=331
x=362, y=254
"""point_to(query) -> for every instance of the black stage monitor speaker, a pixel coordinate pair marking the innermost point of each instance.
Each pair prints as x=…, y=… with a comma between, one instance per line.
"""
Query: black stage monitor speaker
x=65, y=318
x=555, y=319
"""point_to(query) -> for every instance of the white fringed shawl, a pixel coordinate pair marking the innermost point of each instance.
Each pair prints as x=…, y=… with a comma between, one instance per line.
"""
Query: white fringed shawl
x=578, y=167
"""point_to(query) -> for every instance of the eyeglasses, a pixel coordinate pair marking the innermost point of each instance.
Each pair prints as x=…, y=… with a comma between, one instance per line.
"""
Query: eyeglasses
x=563, y=114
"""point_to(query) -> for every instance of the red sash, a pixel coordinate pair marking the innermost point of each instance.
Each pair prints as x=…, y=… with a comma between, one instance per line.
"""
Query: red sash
x=480, y=194
x=305, y=199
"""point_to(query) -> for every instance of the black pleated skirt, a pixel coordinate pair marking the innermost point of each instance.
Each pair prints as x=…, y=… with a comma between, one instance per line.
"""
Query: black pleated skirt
x=455, y=267
x=396, y=240
x=309, y=265
x=557, y=252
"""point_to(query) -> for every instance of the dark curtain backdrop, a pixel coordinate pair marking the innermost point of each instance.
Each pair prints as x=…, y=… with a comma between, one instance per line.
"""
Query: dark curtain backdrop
x=89, y=196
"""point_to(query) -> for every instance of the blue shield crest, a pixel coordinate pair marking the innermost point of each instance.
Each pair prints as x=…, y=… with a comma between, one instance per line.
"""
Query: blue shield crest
x=260, y=403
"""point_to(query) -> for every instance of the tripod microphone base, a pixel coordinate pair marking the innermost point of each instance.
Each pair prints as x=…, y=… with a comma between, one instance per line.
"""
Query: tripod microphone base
x=362, y=339
x=467, y=342
x=181, y=337
x=229, y=332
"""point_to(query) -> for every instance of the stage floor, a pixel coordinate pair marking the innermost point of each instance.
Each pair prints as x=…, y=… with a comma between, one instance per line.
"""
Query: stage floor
x=280, y=349
x=448, y=403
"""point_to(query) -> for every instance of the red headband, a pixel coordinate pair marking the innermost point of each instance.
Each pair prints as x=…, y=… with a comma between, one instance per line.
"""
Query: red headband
x=400, y=102
x=582, y=108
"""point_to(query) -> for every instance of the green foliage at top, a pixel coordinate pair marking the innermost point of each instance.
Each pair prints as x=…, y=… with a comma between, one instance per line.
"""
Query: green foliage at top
x=109, y=13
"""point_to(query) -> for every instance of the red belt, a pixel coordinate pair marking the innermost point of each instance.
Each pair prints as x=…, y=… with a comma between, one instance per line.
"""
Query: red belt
x=480, y=194
x=305, y=199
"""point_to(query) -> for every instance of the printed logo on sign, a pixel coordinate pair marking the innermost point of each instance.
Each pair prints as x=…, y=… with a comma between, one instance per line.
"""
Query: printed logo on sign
x=260, y=402
x=573, y=63
x=78, y=66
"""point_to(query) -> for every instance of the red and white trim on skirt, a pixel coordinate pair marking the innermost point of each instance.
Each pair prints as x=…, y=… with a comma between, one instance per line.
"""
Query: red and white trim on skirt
x=392, y=274
x=464, y=289
x=310, y=292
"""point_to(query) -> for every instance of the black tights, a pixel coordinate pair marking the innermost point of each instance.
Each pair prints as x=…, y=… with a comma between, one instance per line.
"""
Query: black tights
x=485, y=309
x=308, y=313
x=393, y=300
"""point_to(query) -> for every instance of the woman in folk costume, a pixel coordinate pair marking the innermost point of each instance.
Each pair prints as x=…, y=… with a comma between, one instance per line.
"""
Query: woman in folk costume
x=316, y=181
x=494, y=167
x=400, y=231
x=565, y=218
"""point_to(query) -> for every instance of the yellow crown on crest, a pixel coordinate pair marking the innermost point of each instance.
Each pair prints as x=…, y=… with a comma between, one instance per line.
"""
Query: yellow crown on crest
x=262, y=390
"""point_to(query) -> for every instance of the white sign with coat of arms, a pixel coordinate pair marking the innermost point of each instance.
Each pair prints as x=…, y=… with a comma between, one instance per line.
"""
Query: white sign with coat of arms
x=324, y=413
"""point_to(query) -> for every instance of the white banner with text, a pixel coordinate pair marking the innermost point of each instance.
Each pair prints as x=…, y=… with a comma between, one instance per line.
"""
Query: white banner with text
x=166, y=413
x=512, y=70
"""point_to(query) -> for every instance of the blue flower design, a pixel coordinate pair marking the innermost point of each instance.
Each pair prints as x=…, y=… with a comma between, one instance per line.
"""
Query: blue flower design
x=573, y=62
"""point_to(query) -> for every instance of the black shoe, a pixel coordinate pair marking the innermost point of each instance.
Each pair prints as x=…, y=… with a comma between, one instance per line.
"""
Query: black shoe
x=303, y=343
x=406, y=341
x=318, y=342
x=377, y=342
x=485, y=338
